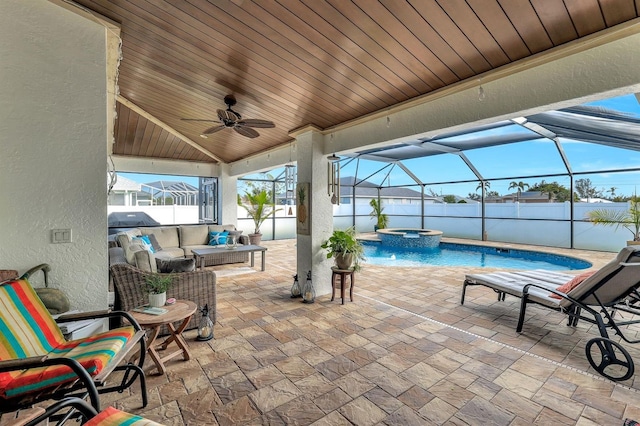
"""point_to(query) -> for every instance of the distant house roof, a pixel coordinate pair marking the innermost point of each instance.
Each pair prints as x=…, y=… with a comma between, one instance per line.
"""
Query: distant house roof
x=370, y=190
x=124, y=184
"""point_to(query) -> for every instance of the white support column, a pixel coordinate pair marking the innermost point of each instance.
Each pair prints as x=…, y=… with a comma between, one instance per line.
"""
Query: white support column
x=312, y=168
x=228, y=195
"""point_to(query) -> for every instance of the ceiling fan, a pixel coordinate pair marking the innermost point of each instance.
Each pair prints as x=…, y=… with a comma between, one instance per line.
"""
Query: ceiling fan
x=229, y=119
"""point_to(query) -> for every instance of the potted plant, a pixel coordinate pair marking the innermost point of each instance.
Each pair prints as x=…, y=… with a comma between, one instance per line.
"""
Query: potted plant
x=259, y=207
x=629, y=219
x=345, y=249
x=382, y=220
x=157, y=285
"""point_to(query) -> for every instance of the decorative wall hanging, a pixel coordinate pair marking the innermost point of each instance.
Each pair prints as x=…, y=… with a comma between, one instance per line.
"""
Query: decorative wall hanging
x=303, y=220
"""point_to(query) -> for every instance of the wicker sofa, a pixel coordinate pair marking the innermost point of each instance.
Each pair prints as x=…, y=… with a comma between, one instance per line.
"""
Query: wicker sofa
x=175, y=242
x=197, y=286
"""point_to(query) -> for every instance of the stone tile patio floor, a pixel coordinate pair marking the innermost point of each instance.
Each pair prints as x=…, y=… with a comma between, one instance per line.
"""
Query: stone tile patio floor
x=405, y=352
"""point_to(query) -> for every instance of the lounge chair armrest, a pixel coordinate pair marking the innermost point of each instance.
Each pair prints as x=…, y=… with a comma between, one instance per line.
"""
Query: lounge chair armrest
x=44, y=267
x=80, y=405
x=22, y=363
x=100, y=314
x=525, y=291
x=81, y=315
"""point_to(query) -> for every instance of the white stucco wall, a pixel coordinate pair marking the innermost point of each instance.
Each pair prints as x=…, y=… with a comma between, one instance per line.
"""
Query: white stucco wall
x=53, y=146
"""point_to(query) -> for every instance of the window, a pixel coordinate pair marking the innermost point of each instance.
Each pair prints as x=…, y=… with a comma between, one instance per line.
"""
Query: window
x=139, y=199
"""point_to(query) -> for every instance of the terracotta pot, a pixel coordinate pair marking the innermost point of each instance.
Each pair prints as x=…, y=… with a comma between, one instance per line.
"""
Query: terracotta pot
x=255, y=239
x=344, y=260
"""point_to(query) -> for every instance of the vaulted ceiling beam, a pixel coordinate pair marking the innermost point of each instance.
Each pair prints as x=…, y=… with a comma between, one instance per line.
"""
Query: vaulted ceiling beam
x=124, y=101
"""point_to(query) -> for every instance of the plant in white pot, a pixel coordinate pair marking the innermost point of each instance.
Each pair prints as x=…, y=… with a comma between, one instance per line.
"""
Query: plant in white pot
x=345, y=248
x=259, y=206
x=629, y=219
x=157, y=285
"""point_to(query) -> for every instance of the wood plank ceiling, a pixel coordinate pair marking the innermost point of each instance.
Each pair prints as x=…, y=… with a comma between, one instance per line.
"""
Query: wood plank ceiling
x=298, y=62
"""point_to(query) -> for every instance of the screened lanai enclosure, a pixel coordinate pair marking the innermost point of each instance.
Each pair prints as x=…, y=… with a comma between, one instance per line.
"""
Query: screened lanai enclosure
x=525, y=180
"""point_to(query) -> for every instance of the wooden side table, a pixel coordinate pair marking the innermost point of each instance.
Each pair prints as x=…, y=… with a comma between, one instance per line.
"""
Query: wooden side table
x=182, y=310
x=343, y=274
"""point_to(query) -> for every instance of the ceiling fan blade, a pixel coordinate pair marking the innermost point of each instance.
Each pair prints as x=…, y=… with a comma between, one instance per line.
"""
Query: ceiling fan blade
x=198, y=119
x=213, y=129
x=252, y=122
x=246, y=131
x=226, y=115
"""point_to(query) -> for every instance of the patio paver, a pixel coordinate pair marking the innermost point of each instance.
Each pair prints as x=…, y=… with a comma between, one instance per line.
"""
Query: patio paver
x=404, y=352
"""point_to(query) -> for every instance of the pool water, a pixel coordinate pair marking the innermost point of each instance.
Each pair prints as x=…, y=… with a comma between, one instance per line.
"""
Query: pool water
x=451, y=254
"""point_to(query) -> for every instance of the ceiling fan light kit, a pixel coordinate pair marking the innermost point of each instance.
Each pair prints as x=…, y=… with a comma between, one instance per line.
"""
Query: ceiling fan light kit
x=230, y=119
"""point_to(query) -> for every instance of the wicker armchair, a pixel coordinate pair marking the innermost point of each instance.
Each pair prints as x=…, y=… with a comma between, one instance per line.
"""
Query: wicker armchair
x=197, y=286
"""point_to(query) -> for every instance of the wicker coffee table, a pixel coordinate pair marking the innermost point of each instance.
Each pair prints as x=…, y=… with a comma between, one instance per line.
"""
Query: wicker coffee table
x=203, y=255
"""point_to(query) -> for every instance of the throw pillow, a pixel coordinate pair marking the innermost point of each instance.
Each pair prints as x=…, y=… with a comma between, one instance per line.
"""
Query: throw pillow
x=144, y=240
x=572, y=283
x=168, y=266
x=154, y=243
x=217, y=238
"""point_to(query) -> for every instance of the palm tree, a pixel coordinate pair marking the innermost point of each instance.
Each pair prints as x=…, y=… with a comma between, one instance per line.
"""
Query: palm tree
x=629, y=219
x=484, y=183
x=382, y=220
x=520, y=186
x=258, y=205
x=612, y=191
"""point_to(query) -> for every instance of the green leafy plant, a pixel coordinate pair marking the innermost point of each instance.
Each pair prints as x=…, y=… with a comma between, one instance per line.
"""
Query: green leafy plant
x=258, y=206
x=345, y=242
x=382, y=220
x=156, y=283
x=629, y=219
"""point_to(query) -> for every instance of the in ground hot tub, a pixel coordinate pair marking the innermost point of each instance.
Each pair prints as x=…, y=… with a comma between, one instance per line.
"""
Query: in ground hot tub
x=407, y=237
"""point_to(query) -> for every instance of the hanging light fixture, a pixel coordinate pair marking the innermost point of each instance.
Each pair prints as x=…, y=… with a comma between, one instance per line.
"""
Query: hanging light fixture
x=290, y=181
x=481, y=94
x=333, y=178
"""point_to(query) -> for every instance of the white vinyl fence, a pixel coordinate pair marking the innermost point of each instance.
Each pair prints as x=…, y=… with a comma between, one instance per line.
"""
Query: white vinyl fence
x=547, y=224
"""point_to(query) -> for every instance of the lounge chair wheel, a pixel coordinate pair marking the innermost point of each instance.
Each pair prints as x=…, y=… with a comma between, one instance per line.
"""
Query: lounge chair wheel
x=605, y=356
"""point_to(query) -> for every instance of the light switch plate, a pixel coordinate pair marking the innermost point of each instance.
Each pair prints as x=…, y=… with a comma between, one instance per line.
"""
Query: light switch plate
x=61, y=236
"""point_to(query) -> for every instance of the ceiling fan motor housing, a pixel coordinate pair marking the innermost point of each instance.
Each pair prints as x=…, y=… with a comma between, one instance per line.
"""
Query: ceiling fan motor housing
x=230, y=100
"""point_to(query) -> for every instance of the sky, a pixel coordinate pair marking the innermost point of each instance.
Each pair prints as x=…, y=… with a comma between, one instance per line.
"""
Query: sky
x=502, y=164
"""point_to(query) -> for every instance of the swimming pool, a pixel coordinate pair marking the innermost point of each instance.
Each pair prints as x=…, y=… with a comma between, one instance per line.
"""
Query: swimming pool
x=452, y=254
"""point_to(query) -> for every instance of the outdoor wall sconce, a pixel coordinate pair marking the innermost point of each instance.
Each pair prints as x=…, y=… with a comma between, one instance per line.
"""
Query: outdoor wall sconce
x=333, y=178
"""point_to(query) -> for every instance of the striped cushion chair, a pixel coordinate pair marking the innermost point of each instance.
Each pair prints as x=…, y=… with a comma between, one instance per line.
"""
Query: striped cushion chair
x=113, y=417
x=37, y=363
x=87, y=415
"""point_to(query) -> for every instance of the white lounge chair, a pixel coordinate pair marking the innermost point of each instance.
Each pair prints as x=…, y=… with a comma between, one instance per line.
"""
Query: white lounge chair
x=613, y=287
